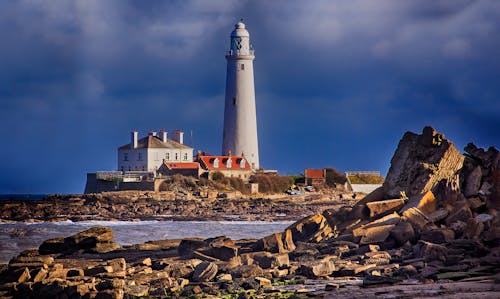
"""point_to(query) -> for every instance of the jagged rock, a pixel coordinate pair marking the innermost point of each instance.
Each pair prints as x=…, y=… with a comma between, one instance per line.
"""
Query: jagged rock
x=263, y=282
x=463, y=213
x=417, y=219
x=224, y=277
x=423, y=163
x=91, y=236
x=430, y=251
x=439, y=235
x=276, y=243
x=187, y=246
x=438, y=215
x=222, y=252
x=385, y=206
x=311, y=229
x=38, y=274
x=182, y=269
x=268, y=260
x=403, y=232
x=474, y=228
x=376, y=234
x=246, y=271
x=391, y=219
x=473, y=182
x=316, y=269
x=425, y=202
x=55, y=245
x=205, y=271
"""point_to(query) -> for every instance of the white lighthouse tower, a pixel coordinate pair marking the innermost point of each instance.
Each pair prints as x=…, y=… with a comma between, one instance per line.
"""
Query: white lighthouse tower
x=240, y=120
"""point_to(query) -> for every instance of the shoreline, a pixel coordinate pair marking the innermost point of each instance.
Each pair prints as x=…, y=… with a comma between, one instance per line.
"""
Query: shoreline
x=165, y=206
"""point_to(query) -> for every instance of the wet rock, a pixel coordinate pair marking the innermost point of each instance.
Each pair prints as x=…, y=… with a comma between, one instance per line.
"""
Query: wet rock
x=205, y=271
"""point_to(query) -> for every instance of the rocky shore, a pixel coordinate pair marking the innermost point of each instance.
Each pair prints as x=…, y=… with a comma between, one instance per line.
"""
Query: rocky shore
x=431, y=230
x=179, y=205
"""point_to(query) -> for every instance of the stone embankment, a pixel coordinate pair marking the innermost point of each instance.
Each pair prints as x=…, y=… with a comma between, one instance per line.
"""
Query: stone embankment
x=431, y=230
x=178, y=205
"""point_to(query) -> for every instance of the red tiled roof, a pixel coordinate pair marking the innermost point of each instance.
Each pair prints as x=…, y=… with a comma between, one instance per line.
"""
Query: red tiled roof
x=208, y=162
x=314, y=173
x=182, y=165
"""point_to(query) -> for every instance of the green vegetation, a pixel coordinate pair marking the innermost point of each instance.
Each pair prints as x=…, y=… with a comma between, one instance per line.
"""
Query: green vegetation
x=218, y=182
x=334, y=177
x=366, y=179
x=272, y=183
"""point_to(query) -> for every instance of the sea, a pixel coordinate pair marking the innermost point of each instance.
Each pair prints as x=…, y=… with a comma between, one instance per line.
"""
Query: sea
x=16, y=237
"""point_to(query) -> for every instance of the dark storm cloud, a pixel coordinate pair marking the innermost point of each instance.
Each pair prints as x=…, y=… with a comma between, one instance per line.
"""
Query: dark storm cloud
x=337, y=82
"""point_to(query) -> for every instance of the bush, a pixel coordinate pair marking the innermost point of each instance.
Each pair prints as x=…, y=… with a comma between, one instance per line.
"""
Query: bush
x=333, y=177
x=366, y=179
x=272, y=183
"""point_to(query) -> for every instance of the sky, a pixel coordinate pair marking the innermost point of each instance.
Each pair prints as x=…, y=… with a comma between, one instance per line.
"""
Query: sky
x=337, y=82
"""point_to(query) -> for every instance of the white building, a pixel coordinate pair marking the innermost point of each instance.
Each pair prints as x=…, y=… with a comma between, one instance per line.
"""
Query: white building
x=148, y=153
x=240, y=120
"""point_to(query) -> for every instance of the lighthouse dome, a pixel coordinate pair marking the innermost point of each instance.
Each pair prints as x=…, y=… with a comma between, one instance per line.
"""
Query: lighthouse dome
x=240, y=30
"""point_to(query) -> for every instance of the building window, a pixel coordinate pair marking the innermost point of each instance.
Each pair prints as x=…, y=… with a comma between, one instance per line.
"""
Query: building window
x=139, y=156
x=242, y=67
x=229, y=163
x=185, y=156
x=234, y=101
x=216, y=163
x=125, y=157
x=167, y=156
x=176, y=156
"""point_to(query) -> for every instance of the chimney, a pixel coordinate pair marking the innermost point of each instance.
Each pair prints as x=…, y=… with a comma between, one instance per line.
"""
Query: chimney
x=178, y=136
x=163, y=135
x=152, y=133
x=133, y=139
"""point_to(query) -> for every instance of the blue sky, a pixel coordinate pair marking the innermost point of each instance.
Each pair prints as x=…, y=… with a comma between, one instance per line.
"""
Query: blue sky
x=337, y=82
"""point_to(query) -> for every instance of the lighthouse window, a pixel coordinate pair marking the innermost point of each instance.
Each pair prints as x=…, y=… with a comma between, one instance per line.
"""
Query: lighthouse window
x=234, y=101
x=242, y=67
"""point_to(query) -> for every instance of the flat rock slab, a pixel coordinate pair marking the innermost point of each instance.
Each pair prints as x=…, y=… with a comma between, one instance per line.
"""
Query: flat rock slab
x=384, y=206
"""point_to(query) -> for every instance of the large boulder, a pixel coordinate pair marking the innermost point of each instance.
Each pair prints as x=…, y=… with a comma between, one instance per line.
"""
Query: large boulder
x=422, y=163
x=276, y=243
x=205, y=271
x=313, y=228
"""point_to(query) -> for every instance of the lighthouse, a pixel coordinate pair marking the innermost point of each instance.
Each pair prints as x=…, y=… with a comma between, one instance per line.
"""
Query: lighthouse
x=240, y=119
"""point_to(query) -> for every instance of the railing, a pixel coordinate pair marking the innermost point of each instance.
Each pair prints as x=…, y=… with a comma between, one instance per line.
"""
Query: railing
x=240, y=53
x=348, y=173
x=132, y=176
